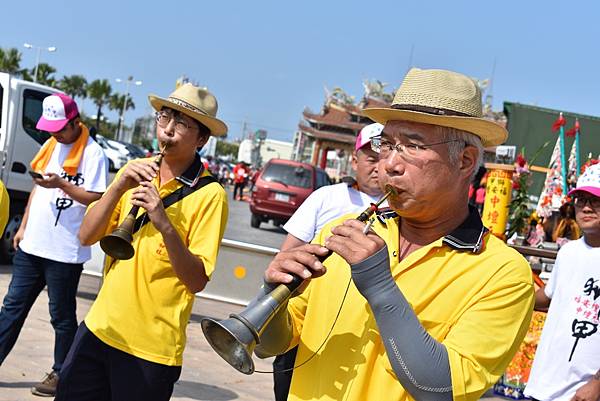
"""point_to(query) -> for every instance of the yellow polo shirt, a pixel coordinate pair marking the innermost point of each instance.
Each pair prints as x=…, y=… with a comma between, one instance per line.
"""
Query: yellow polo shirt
x=477, y=304
x=4, y=207
x=143, y=308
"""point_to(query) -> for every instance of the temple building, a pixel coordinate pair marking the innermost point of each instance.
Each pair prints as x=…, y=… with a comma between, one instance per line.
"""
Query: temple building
x=326, y=139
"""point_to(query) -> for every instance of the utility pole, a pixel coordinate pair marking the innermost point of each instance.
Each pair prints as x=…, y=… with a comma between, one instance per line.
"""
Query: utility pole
x=120, y=126
x=39, y=49
x=244, y=130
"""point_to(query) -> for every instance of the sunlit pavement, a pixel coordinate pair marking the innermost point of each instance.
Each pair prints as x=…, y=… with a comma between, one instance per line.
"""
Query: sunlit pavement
x=205, y=375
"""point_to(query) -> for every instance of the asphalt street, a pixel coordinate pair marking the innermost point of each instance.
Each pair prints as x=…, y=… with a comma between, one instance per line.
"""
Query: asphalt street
x=238, y=225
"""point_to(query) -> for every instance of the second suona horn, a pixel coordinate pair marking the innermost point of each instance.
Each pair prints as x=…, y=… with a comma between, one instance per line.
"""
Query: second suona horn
x=234, y=339
x=117, y=244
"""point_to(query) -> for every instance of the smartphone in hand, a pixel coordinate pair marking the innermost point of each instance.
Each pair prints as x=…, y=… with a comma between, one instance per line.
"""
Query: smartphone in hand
x=35, y=174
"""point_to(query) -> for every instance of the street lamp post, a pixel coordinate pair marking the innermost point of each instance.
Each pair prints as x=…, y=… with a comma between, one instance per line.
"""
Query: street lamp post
x=128, y=82
x=39, y=49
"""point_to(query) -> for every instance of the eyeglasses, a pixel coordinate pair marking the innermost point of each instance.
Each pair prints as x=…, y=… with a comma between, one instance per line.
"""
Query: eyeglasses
x=384, y=147
x=163, y=118
x=593, y=201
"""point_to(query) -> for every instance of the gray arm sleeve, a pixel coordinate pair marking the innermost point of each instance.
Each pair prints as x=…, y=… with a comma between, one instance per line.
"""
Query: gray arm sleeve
x=277, y=335
x=419, y=361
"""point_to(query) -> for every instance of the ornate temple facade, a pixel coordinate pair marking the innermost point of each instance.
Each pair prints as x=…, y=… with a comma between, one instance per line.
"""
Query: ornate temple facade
x=326, y=139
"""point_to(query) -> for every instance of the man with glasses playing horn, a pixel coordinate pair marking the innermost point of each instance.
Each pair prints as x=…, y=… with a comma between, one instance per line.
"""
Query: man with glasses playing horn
x=435, y=306
x=567, y=361
x=130, y=345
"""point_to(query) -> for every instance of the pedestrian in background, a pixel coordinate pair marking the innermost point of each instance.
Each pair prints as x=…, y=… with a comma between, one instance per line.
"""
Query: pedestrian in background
x=566, y=366
x=74, y=174
x=240, y=176
x=566, y=228
x=323, y=205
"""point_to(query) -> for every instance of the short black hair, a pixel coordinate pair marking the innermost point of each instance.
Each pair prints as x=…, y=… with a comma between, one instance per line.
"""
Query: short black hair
x=203, y=130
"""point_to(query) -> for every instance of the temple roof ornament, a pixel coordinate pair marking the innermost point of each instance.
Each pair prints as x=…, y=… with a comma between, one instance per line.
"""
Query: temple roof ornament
x=375, y=89
x=338, y=96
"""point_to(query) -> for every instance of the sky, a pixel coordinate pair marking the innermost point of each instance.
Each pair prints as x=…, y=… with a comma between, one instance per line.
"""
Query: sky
x=266, y=61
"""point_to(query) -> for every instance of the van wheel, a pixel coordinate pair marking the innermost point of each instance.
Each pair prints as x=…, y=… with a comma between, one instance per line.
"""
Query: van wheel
x=111, y=165
x=6, y=244
x=255, y=221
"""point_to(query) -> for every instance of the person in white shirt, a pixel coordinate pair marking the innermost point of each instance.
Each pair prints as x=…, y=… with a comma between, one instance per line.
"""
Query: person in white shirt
x=566, y=366
x=322, y=206
x=72, y=173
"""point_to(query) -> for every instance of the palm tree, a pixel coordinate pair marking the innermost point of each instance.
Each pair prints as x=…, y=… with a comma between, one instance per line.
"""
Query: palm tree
x=99, y=91
x=44, y=74
x=10, y=61
x=74, y=86
x=116, y=102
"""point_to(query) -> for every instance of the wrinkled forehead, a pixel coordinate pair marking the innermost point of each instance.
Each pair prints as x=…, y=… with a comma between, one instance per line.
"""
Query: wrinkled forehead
x=397, y=130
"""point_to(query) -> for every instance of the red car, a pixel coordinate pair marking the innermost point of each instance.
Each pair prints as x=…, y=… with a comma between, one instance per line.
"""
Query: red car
x=282, y=186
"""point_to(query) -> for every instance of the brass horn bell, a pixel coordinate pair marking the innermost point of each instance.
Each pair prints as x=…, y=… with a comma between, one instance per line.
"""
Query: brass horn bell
x=234, y=339
x=118, y=243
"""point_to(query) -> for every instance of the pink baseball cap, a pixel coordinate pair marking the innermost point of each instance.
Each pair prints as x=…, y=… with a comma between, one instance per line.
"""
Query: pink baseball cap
x=57, y=111
x=589, y=181
x=367, y=133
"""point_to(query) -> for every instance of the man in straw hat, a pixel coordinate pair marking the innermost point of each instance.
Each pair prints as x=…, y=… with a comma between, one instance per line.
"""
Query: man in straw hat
x=69, y=172
x=431, y=305
x=130, y=345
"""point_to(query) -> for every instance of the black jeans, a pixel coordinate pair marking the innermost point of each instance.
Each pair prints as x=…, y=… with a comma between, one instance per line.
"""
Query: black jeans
x=282, y=381
x=95, y=371
x=238, y=186
x=30, y=274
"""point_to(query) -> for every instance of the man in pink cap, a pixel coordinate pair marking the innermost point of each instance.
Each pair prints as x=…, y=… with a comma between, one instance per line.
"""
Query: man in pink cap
x=567, y=361
x=323, y=205
x=71, y=173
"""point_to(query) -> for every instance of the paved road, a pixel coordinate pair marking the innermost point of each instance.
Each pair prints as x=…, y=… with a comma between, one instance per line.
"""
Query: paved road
x=238, y=226
x=205, y=376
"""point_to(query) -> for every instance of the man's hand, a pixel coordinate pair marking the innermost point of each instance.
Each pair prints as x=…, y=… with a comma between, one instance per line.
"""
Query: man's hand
x=147, y=197
x=18, y=236
x=349, y=241
x=50, y=180
x=588, y=392
x=302, y=261
x=136, y=173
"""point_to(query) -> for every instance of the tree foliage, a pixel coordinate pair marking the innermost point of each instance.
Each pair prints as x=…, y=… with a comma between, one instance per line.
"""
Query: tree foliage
x=99, y=91
x=227, y=149
x=10, y=61
x=74, y=86
x=45, y=74
x=116, y=102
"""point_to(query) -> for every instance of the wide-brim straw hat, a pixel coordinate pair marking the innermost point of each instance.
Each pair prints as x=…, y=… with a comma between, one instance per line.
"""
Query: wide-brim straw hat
x=198, y=103
x=440, y=97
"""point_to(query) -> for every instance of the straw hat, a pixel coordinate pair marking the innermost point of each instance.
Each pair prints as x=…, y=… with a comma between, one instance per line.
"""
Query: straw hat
x=440, y=97
x=195, y=102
